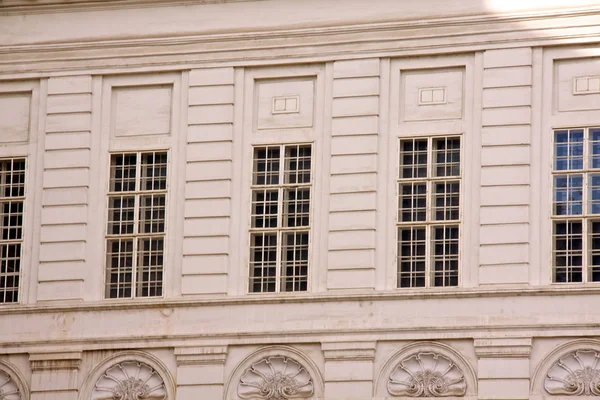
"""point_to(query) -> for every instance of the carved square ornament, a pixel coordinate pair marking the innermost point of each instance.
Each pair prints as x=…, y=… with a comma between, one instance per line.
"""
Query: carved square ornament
x=577, y=85
x=284, y=103
x=430, y=95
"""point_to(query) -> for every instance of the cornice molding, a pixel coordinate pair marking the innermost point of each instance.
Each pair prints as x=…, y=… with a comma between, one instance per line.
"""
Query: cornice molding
x=149, y=341
x=294, y=298
x=9, y=7
x=307, y=44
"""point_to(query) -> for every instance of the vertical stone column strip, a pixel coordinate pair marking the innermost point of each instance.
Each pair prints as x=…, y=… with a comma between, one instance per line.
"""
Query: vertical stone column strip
x=505, y=166
x=349, y=370
x=208, y=181
x=503, y=367
x=200, y=372
x=55, y=375
x=65, y=186
x=353, y=185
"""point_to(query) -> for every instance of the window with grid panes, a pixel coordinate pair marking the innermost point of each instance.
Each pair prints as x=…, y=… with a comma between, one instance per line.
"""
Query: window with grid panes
x=576, y=205
x=12, y=203
x=135, y=238
x=280, y=218
x=428, y=220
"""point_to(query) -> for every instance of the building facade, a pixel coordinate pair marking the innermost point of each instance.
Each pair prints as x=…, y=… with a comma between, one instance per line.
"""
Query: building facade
x=285, y=199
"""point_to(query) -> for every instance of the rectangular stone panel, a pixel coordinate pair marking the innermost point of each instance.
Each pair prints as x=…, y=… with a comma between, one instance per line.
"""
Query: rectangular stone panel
x=141, y=110
x=15, y=109
x=428, y=95
x=287, y=103
x=577, y=84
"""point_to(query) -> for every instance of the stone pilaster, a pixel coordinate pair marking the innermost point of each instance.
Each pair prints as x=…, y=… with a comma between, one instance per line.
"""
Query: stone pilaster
x=503, y=367
x=54, y=375
x=349, y=370
x=200, y=373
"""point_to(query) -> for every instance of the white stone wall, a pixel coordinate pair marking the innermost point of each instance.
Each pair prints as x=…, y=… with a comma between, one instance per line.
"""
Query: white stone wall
x=198, y=80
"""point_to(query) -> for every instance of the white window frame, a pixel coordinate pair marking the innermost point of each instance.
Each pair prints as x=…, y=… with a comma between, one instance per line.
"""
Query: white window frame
x=173, y=143
x=248, y=137
x=136, y=235
x=547, y=120
x=586, y=216
x=280, y=230
x=20, y=241
x=429, y=181
x=394, y=129
x=32, y=150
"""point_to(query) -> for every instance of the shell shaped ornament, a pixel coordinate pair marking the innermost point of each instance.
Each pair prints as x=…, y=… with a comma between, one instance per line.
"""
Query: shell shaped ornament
x=576, y=374
x=275, y=378
x=130, y=380
x=427, y=375
x=8, y=387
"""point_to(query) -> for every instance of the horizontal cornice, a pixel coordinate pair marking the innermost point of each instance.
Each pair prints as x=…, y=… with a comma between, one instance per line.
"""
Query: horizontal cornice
x=302, y=318
x=308, y=44
x=298, y=298
x=8, y=7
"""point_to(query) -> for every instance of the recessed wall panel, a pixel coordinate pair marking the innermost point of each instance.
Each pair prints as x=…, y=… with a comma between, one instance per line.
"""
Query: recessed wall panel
x=435, y=94
x=142, y=110
x=577, y=85
x=285, y=103
x=15, y=110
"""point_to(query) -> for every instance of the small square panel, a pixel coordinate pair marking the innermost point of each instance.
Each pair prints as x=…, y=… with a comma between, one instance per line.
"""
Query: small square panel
x=581, y=85
x=435, y=94
x=285, y=103
x=586, y=85
x=594, y=84
x=15, y=110
x=577, y=84
x=426, y=96
x=142, y=110
x=429, y=96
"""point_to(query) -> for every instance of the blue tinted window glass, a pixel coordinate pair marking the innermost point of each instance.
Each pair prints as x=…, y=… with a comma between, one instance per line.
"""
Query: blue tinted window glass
x=568, y=194
x=568, y=150
x=594, y=194
x=594, y=148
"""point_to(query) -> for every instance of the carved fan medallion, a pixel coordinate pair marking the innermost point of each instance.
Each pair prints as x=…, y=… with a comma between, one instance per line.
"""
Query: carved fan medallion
x=576, y=374
x=275, y=378
x=130, y=380
x=427, y=375
x=8, y=387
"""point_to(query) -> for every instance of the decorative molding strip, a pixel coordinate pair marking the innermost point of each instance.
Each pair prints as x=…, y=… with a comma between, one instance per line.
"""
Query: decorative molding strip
x=200, y=355
x=427, y=374
x=55, y=361
x=48, y=6
x=275, y=378
x=316, y=43
x=345, y=351
x=503, y=347
x=315, y=298
x=586, y=85
x=576, y=374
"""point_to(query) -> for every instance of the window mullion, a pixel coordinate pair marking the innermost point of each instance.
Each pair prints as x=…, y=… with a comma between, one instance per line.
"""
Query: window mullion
x=585, y=211
x=429, y=212
x=278, y=272
x=136, y=224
